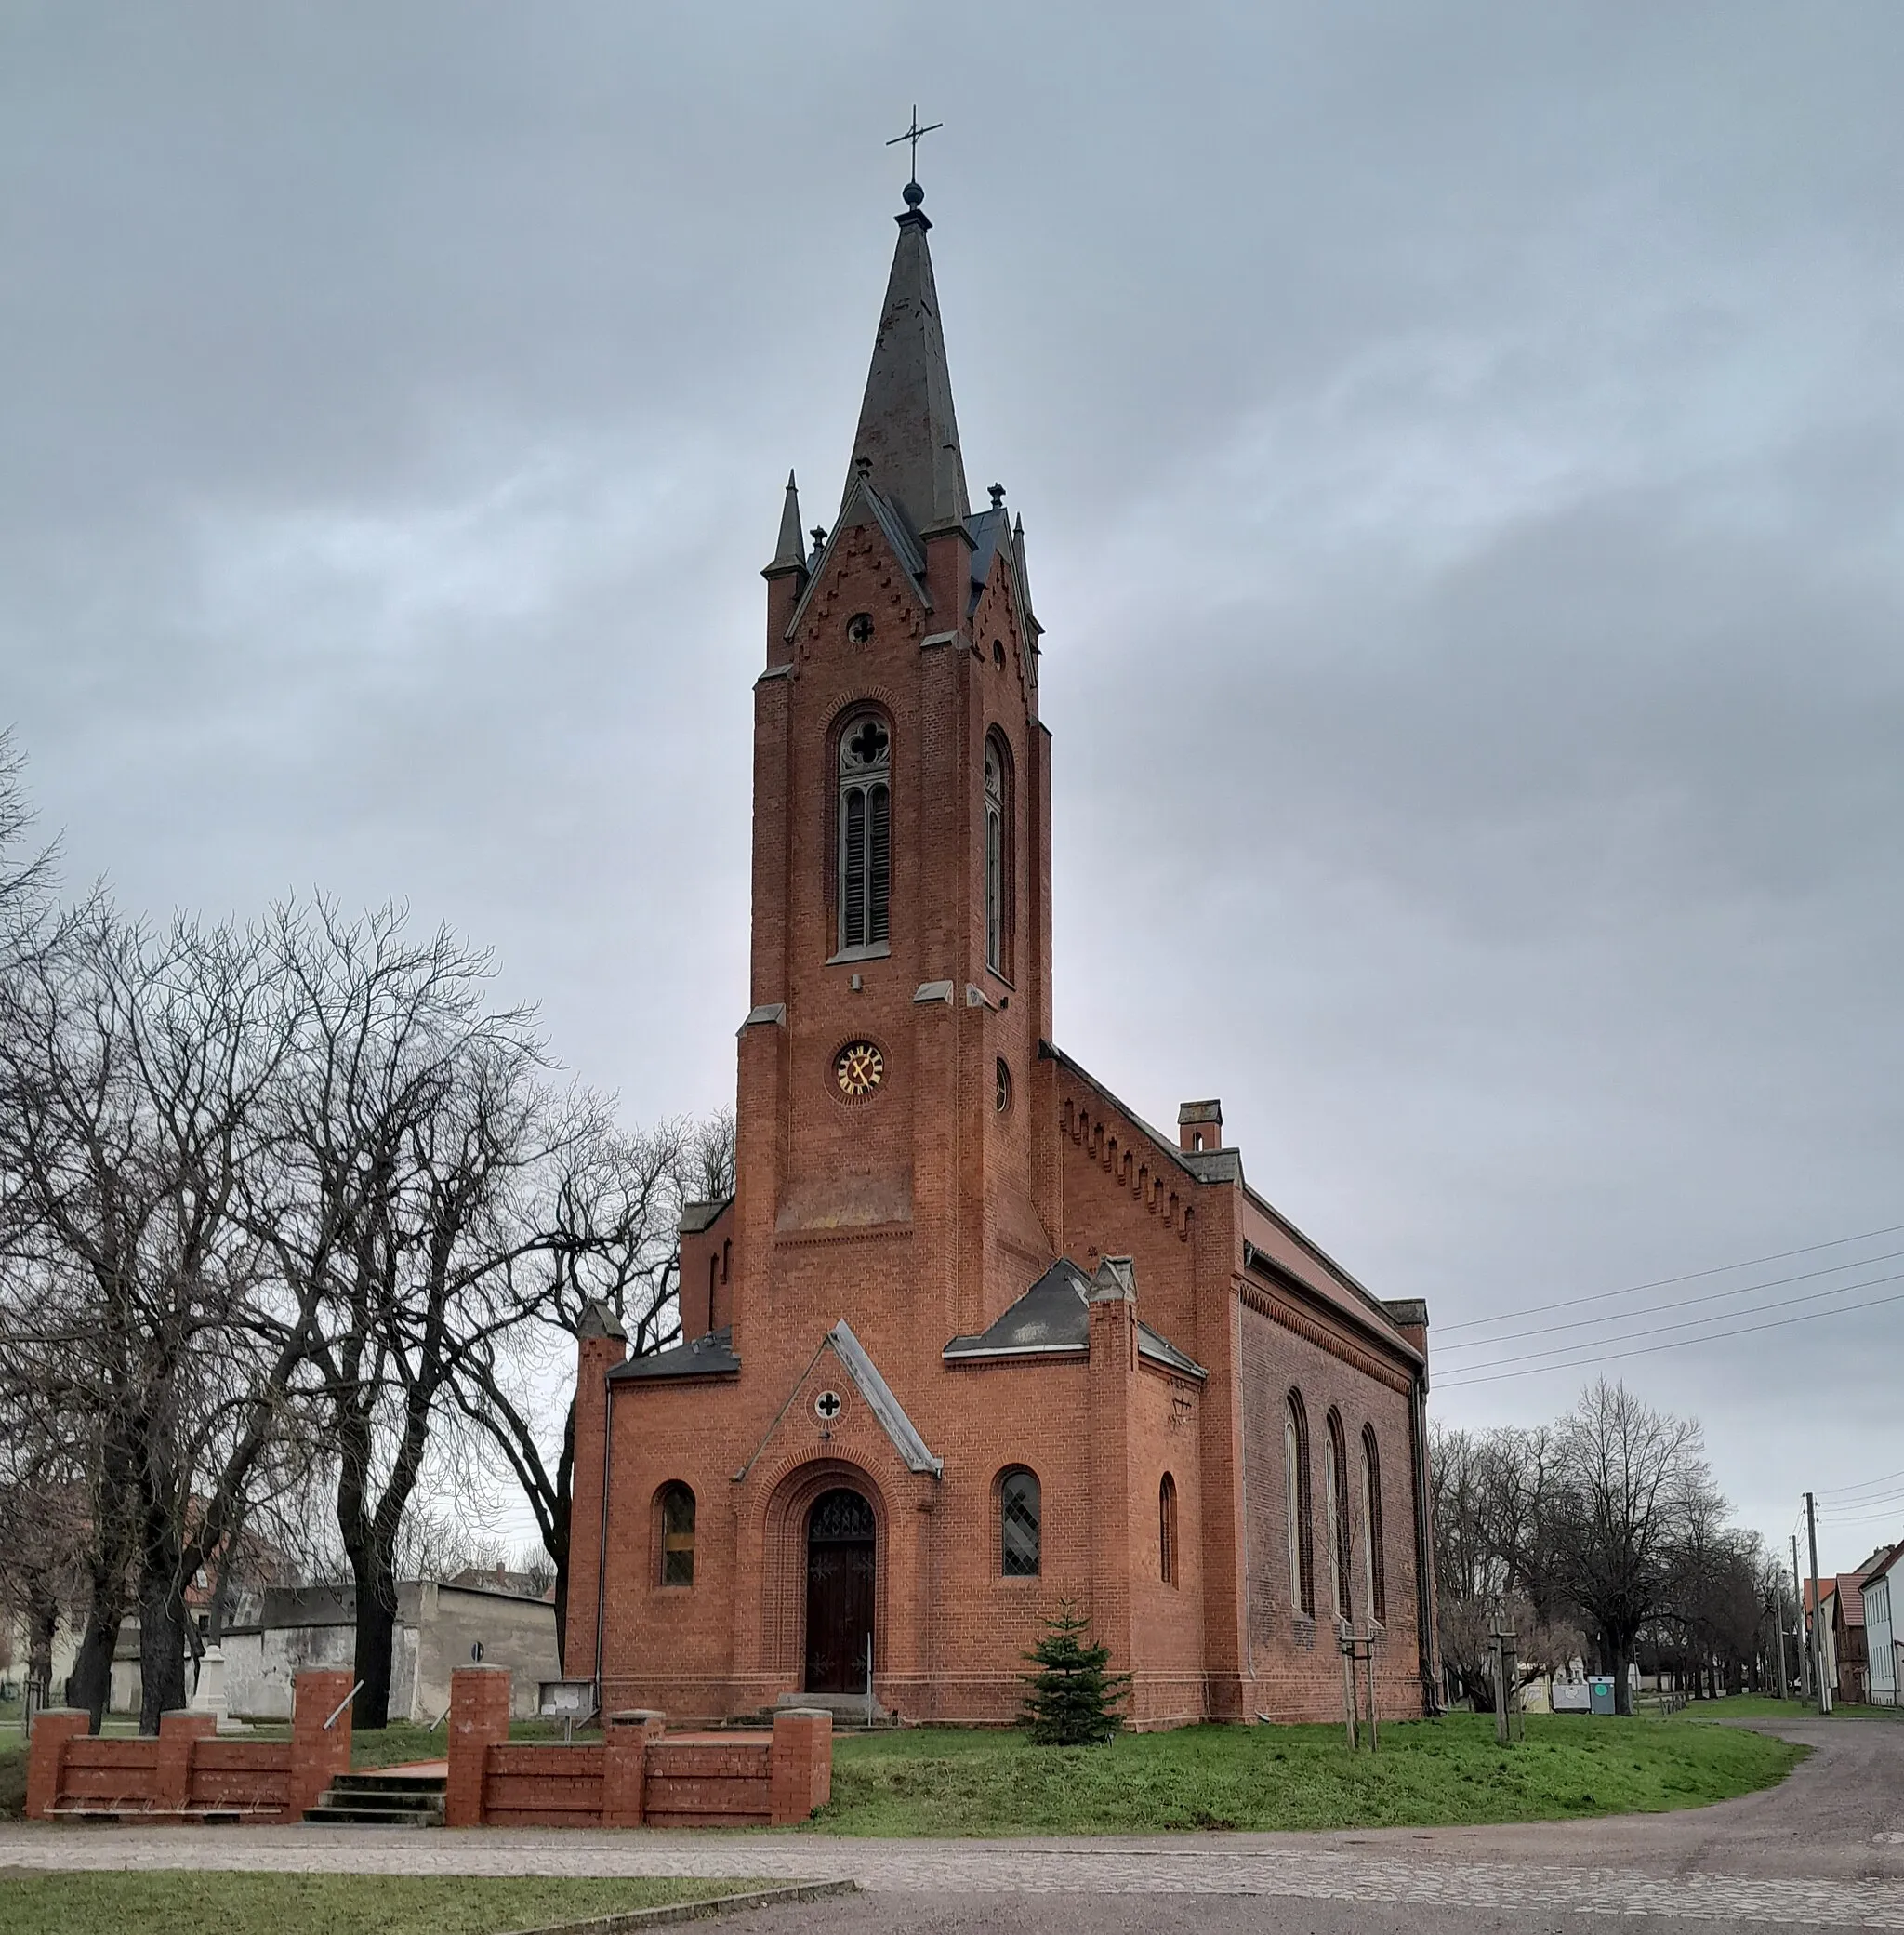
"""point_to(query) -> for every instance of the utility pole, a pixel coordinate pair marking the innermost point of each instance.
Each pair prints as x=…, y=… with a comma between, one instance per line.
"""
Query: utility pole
x=1778, y=1629
x=1818, y=1609
x=1798, y=1600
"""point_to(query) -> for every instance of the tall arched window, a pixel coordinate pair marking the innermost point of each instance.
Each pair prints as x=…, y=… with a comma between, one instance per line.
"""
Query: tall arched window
x=677, y=1535
x=1296, y=1504
x=1336, y=1495
x=1167, y=1530
x=1371, y=1527
x=866, y=832
x=998, y=856
x=1020, y=1511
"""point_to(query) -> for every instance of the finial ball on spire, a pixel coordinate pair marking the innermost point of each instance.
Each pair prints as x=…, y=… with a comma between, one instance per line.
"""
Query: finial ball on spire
x=914, y=194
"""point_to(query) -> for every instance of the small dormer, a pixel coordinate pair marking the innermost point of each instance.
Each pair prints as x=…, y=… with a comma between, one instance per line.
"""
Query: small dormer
x=1200, y=1127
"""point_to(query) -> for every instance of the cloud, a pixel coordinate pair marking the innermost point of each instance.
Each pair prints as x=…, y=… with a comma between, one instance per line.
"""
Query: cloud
x=1463, y=453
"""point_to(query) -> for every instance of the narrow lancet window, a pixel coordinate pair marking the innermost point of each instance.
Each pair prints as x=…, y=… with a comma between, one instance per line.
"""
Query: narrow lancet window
x=997, y=904
x=866, y=833
x=1019, y=1516
x=676, y=1536
x=1296, y=1501
x=1336, y=1496
x=1372, y=1527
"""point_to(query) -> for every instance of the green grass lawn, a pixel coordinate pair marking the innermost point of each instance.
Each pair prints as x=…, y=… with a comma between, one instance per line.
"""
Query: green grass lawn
x=938, y=1781
x=1762, y=1706
x=211, y=1903
x=946, y=1780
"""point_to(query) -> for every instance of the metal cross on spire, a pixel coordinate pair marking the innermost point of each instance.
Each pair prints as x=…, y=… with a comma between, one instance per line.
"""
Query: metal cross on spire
x=913, y=134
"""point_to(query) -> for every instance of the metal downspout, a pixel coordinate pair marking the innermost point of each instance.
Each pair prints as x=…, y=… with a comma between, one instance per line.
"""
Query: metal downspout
x=602, y=1542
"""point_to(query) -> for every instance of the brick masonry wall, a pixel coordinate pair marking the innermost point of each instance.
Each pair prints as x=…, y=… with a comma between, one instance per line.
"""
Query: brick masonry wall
x=1295, y=1668
x=187, y=1770
x=637, y=1775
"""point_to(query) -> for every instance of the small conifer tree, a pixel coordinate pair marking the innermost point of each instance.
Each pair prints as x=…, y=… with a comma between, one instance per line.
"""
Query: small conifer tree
x=1073, y=1699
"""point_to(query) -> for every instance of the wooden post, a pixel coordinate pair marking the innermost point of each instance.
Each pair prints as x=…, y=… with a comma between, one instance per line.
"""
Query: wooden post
x=1347, y=1649
x=1374, y=1736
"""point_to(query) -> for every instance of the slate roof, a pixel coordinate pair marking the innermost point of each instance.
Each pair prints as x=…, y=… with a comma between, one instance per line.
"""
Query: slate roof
x=711, y=1356
x=1052, y=1318
x=907, y=431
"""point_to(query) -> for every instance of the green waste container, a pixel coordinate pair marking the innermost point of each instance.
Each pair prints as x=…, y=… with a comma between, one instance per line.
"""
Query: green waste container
x=1600, y=1690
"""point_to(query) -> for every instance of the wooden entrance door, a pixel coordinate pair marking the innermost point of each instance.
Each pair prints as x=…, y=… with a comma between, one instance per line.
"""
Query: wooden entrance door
x=840, y=1593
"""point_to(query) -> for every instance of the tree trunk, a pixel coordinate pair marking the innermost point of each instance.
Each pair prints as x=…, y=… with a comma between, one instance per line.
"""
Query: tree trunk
x=42, y=1627
x=161, y=1636
x=376, y=1633
x=90, y=1685
x=1620, y=1648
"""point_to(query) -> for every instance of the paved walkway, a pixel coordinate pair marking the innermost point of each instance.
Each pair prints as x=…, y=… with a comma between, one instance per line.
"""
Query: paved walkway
x=1824, y=1850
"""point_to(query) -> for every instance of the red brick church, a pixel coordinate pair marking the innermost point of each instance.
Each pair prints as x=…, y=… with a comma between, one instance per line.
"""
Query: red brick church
x=971, y=1337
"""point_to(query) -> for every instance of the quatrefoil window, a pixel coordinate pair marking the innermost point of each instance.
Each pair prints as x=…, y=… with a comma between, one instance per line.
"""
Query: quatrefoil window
x=867, y=744
x=827, y=1406
x=859, y=627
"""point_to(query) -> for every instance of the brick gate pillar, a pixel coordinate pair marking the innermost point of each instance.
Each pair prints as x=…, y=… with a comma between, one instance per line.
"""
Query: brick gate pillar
x=478, y=1721
x=172, y=1780
x=53, y=1727
x=625, y=1739
x=318, y=1753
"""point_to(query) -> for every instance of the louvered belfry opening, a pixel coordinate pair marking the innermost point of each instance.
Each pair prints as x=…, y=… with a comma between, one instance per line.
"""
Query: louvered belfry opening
x=866, y=833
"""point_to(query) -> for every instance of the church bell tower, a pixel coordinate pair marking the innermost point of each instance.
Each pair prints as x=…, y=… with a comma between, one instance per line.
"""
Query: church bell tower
x=890, y=1065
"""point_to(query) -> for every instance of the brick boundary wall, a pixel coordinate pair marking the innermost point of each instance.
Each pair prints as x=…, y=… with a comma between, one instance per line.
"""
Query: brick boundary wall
x=636, y=1775
x=188, y=1773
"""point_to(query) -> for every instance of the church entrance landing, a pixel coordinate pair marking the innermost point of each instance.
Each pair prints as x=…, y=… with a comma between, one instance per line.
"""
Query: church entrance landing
x=839, y=1591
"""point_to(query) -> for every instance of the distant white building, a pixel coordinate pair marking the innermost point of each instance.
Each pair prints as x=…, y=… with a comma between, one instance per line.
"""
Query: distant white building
x=440, y=1627
x=1884, y=1627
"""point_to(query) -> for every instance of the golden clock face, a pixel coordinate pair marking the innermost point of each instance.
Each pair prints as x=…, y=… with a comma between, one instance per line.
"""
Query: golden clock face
x=859, y=1068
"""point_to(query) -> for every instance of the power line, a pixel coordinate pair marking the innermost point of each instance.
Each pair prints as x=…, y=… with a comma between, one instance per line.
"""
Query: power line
x=1665, y=1282
x=1691, y=1323
x=1651, y=1350
x=1710, y=1296
x=1869, y=1484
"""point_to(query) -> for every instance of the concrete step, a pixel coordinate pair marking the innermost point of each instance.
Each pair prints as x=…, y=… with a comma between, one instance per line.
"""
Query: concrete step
x=326, y=1815
x=376, y=1798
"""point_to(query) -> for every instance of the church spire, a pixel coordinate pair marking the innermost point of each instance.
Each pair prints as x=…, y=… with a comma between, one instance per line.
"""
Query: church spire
x=790, y=553
x=908, y=434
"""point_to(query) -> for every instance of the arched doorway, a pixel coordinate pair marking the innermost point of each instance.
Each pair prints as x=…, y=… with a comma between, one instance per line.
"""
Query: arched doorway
x=839, y=1591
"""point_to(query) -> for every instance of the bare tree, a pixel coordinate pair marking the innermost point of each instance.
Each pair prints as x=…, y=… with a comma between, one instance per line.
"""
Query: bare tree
x=1634, y=1483
x=137, y=1307
x=610, y=1215
x=25, y=877
x=411, y=1118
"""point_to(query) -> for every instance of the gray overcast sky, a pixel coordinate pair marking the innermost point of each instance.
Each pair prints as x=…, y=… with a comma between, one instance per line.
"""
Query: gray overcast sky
x=1462, y=454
